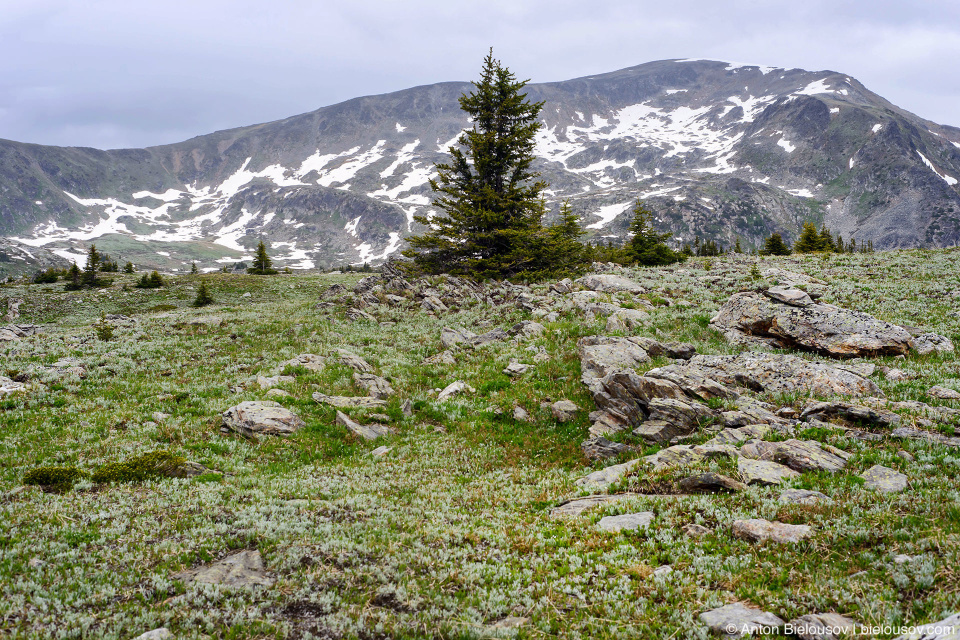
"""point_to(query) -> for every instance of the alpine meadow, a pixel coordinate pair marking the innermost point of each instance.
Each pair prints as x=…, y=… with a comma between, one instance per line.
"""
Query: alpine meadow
x=662, y=353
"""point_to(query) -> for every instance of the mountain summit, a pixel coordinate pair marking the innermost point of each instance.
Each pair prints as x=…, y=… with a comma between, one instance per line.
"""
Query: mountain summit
x=717, y=150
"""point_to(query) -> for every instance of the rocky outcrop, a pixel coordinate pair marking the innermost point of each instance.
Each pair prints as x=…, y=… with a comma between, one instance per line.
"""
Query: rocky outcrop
x=821, y=328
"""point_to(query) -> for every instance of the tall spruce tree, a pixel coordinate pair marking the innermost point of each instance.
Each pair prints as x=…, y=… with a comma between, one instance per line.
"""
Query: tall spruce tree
x=809, y=240
x=775, y=246
x=491, y=225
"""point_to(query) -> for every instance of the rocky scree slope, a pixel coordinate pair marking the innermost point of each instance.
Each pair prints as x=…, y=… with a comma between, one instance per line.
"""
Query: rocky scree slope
x=719, y=150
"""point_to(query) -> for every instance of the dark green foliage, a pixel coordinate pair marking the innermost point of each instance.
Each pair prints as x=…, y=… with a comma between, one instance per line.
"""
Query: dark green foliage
x=775, y=246
x=193, y=268
x=203, y=296
x=262, y=264
x=128, y=268
x=736, y=246
x=74, y=276
x=152, y=281
x=137, y=469
x=826, y=240
x=58, y=477
x=46, y=277
x=90, y=270
x=647, y=247
x=104, y=330
x=108, y=265
x=809, y=240
x=491, y=225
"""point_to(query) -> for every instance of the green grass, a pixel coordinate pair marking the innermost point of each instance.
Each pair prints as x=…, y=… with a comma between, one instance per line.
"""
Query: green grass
x=449, y=531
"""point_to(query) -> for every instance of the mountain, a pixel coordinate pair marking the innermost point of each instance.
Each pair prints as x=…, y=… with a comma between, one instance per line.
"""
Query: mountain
x=718, y=150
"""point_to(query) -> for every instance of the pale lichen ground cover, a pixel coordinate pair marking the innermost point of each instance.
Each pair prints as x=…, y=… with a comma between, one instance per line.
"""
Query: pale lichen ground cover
x=449, y=531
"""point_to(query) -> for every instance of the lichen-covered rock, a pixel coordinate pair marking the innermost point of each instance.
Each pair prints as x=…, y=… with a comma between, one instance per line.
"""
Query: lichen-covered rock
x=263, y=417
x=450, y=336
x=309, y=361
x=602, y=479
x=353, y=361
x=455, y=389
x=348, y=402
x=8, y=386
x=805, y=497
x=680, y=455
x=884, y=479
x=943, y=393
x=821, y=328
x=577, y=506
x=711, y=483
x=564, y=410
x=927, y=343
x=763, y=472
x=823, y=626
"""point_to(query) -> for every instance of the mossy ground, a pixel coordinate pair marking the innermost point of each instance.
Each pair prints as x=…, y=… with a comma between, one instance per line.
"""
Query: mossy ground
x=449, y=531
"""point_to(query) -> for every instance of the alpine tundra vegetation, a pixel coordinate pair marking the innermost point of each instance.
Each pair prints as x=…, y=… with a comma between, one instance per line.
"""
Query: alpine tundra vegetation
x=734, y=445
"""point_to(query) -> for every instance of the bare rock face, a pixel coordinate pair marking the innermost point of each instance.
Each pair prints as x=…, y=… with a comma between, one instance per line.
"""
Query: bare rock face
x=809, y=455
x=261, y=418
x=852, y=412
x=600, y=448
x=817, y=327
x=711, y=483
x=778, y=373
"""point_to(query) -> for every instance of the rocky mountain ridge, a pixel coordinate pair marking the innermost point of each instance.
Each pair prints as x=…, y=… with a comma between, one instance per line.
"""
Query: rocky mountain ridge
x=719, y=150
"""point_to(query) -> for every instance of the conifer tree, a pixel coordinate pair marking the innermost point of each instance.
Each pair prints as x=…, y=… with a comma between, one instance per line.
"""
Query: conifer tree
x=775, y=246
x=826, y=239
x=90, y=270
x=74, y=276
x=262, y=264
x=491, y=221
x=809, y=240
x=647, y=247
x=203, y=296
x=128, y=268
x=193, y=268
x=736, y=246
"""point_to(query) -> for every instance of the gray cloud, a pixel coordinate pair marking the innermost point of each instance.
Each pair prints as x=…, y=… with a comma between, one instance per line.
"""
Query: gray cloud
x=113, y=73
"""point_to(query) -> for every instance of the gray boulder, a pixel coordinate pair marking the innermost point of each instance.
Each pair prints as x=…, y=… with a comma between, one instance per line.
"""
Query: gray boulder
x=602, y=355
x=609, y=283
x=737, y=621
x=367, y=432
x=809, y=455
x=884, y=479
x=927, y=343
x=626, y=522
x=852, y=412
x=374, y=385
x=600, y=448
x=763, y=472
x=241, y=569
x=823, y=626
x=353, y=361
x=348, y=402
x=263, y=417
x=711, y=483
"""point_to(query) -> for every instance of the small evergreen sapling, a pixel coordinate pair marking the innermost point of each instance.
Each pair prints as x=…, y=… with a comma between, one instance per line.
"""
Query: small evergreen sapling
x=262, y=264
x=203, y=296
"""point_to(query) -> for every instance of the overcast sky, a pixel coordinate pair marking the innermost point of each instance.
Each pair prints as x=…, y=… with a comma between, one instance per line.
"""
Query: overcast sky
x=122, y=73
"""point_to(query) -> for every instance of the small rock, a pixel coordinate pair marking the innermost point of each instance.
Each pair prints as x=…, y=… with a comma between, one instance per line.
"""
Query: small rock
x=943, y=393
x=510, y=622
x=455, y=389
x=736, y=621
x=157, y=634
x=159, y=416
x=823, y=626
x=350, y=402
x=520, y=414
x=246, y=295
x=277, y=393
x=353, y=361
x=759, y=530
x=374, y=385
x=450, y=336
x=564, y=410
x=309, y=361
x=242, y=569
x=367, y=432
x=600, y=448
x=696, y=530
x=884, y=479
x=379, y=452
x=527, y=329
x=946, y=629
x=444, y=357
x=407, y=408
x=602, y=479
x=36, y=563
x=803, y=496
x=902, y=558
x=906, y=456
x=763, y=472
x=898, y=375
x=516, y=369
x=789, y=295
x=711, y=483
x=627, y=522
x=927, y=343
x=576, y=507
